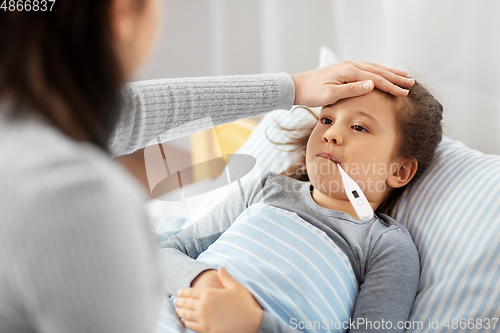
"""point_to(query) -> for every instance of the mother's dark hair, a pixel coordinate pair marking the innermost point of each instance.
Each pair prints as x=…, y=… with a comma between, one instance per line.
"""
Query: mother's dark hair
x=62, y=65
x=418, y=118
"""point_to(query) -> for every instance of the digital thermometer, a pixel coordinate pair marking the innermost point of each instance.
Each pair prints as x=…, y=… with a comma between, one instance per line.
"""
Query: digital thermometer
x=358, y=200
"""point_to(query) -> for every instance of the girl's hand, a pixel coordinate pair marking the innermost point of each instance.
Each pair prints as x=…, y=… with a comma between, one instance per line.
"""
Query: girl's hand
x=326, y=85
x=232, y=309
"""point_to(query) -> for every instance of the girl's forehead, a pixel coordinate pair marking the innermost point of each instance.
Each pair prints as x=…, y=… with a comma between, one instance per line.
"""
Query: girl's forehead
x=375, y=101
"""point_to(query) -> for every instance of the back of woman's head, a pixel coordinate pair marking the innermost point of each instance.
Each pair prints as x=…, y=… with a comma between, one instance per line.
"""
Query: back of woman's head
x=419, y=131
x=59, y=62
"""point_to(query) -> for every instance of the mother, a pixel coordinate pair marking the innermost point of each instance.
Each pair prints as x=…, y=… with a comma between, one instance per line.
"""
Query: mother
x=76, y=251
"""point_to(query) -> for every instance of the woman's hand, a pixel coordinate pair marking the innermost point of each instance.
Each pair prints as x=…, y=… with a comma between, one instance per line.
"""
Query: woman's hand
x=232, y=309
x=326, y=85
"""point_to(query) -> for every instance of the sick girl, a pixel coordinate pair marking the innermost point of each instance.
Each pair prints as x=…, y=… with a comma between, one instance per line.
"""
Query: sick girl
x=397, y=134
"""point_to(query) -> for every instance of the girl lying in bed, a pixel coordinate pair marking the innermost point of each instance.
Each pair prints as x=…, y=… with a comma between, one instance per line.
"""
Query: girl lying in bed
x=383, y=143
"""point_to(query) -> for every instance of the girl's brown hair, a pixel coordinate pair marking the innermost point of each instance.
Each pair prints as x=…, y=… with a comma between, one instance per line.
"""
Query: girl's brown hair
x=418, y=116
x=60, y=64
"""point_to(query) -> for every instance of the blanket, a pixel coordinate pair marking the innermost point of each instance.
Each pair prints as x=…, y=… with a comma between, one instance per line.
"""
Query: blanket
x=293, y=269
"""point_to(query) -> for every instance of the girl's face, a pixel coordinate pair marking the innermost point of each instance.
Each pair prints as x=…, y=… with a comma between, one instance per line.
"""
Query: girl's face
x=360, y=134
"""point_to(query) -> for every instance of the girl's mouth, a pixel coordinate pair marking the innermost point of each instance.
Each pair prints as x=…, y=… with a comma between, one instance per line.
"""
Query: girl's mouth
x=328, y=156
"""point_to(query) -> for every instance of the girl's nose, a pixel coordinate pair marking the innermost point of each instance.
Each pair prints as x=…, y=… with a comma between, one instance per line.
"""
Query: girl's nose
x=332, y=136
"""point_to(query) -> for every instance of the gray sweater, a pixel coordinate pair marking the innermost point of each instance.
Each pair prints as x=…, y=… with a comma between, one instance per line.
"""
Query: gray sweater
x=77, y=253
x=383, y=256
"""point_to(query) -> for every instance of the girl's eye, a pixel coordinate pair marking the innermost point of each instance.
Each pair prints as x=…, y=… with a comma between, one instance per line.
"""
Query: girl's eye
x=359, y=128
x=326, y=121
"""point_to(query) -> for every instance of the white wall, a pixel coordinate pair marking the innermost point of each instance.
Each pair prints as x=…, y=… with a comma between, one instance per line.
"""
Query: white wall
x=452, y=46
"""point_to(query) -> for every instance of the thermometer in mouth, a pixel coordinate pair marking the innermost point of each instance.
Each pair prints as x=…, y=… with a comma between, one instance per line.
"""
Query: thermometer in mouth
x=358, y=200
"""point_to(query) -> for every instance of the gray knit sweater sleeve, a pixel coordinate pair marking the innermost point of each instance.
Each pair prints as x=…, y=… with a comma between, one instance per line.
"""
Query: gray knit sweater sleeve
x=173, y=108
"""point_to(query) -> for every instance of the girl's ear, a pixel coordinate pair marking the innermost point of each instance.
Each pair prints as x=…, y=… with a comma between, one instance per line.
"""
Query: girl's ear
x=402, y=173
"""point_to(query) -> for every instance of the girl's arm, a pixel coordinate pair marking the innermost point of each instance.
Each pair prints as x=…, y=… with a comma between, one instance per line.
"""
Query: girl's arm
x=387, y=294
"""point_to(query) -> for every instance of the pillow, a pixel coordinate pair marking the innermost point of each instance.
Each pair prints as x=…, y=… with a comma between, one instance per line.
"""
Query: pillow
x=453, y=215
